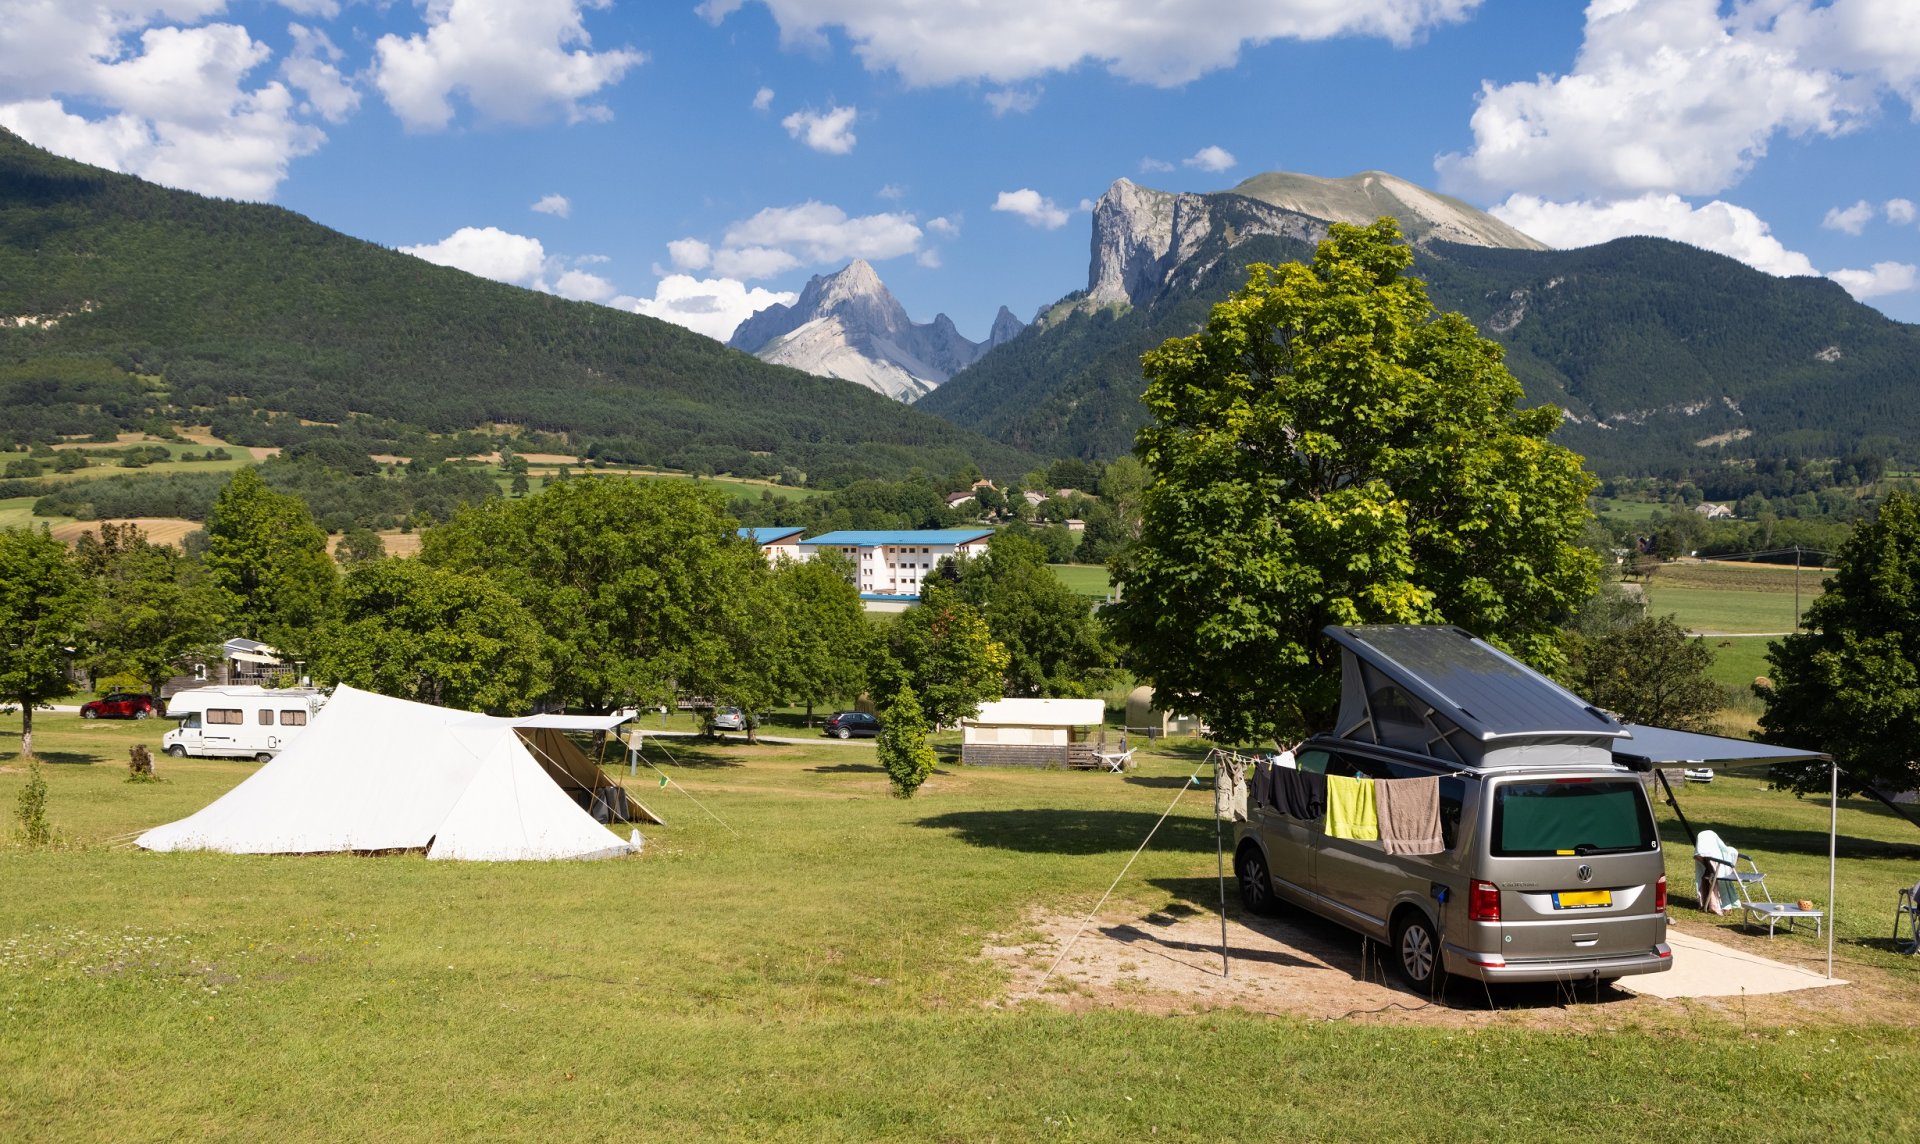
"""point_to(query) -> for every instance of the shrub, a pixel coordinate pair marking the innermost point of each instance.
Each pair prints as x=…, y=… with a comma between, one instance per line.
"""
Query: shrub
x=32, y=811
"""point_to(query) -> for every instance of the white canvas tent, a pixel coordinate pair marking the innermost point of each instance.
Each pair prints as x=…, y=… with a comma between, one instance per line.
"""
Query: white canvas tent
x=373, y=773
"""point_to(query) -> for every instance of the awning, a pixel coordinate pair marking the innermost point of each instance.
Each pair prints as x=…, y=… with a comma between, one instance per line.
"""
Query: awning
x=1663, y=746
x=561, y=721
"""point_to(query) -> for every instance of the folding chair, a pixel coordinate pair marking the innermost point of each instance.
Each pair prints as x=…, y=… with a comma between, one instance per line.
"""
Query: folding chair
x=1907, y=915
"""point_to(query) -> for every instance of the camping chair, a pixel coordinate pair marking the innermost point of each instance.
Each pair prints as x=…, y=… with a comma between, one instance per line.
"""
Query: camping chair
x=1757, y=904
x=1720, y=883
x=1906, y=915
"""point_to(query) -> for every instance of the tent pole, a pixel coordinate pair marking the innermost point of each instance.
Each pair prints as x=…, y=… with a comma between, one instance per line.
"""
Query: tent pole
x=1220, y=861
x=1833, y=839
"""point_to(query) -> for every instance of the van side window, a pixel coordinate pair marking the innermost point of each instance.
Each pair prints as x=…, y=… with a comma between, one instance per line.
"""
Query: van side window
x=1313, y=761
x=226, y=716
x=191, y=722
x=293, y=718
x=266, y=716
x=1453, y=796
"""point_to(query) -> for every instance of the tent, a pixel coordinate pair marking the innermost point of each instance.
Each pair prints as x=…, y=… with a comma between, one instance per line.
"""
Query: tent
x=372, y=773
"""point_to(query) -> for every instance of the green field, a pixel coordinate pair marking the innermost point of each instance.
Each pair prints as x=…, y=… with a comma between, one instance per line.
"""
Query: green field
x=1714, y=597
x=819, y=977
x=1084, y=579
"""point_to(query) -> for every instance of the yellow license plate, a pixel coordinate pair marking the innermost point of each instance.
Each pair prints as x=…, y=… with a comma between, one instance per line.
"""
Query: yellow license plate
x=1582, y=899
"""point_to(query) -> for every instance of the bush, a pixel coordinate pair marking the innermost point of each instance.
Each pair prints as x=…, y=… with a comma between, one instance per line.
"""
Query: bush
x=903, y=743
x=32, y=810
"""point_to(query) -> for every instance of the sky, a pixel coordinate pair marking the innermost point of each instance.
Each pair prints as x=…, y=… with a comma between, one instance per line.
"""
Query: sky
x=699, y=161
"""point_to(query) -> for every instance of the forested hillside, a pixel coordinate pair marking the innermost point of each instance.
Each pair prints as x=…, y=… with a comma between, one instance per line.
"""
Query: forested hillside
x=123, y=304
x=1667, y=357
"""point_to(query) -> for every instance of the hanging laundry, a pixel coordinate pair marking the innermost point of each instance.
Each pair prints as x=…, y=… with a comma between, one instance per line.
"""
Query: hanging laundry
x=1351, y=810
x=1409, y=815
x=1230, y=788
x=1300, y=794
x=1260, y=786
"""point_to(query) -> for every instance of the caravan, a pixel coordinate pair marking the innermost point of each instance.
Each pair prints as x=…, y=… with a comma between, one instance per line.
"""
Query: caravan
x=238, y=722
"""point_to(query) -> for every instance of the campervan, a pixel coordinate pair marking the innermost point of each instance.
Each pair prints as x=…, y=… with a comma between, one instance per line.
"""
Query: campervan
x=238, y=722
x=1546, y=865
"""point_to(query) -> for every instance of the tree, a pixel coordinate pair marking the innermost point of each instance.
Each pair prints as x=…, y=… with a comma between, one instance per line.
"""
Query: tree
x=267, y=555
x=152, y=605
x=636, y=583
x=432, y=635
x=944, y=653
x=1648, y=672
x=1849, y=685
x=902, y=745
x=43, y=609
x=829, y=640
x=1054, y=646
x=359, y=546
x=1328, y=451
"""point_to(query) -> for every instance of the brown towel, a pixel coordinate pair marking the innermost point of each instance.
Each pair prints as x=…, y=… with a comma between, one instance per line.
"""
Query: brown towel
x=1409, y=815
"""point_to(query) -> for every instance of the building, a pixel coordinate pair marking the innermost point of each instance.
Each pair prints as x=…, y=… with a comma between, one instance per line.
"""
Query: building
x=1714, y=511
x=889, y=566
x=1035, y=733
x=776, y=543
x=955, y=500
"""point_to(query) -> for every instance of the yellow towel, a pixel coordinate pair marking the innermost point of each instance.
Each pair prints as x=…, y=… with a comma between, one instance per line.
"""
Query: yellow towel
x=1351, y=811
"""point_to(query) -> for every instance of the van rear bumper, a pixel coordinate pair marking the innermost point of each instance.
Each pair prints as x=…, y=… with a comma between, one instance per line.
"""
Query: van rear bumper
x=1493, y=967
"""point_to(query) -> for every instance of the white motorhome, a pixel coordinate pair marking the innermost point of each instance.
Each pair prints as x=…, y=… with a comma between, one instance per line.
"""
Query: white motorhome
x=238, y=722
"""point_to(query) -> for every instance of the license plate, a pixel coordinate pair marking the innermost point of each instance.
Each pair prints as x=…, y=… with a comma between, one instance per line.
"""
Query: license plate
x=1582, y=899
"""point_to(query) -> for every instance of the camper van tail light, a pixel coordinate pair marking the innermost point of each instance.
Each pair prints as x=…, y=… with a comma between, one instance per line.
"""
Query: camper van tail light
x=1660, y=895
x=1483, y=902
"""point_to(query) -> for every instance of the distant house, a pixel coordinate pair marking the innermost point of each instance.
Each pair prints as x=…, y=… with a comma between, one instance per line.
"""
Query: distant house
x=248, y=661
x=1714, y=511
x=1034, y=499
x=955, y=500
x=775, y=543
x=1075, y=524
x=889, y=566
x=1034, y=733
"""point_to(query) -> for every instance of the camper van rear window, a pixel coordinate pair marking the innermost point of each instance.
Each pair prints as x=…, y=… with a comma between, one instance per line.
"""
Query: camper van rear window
x=1534, y=819
x=231, y=715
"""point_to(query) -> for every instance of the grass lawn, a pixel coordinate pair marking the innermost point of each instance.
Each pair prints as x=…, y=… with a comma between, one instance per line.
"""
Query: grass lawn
x=1085, y=579
x=817, y=976
x=1731, y=597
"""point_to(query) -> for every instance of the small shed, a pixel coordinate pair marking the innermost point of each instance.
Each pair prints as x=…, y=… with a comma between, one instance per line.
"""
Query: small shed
x=1144, y=718
x=1035, y=733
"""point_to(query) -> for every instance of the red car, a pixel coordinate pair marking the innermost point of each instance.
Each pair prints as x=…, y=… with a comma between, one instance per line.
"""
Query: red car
x=119, y=705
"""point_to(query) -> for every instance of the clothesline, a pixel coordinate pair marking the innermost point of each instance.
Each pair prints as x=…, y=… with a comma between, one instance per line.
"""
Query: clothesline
x=1403, y=815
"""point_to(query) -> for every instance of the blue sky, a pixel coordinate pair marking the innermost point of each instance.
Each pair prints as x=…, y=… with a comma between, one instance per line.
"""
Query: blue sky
x=697, y=161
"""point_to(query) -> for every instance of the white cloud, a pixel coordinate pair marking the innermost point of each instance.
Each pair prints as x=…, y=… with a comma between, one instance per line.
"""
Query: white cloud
x=1900, y=212
x=1215, y=159
x=944, y=227
x=1014, y=100
x=583, y=287
x=763, y=99
x=892, y=192
x=490, y=253
x=1006, y=41
x=1686, y=95
x=929, y=258
x=313, y=70
x=1150, y=164
x=711, y=306
x=820, y=232
x=753, y=261
x=1884, y=278
x=513, y=60
x=1718, y=226
x=829, y=132
x=554, y=205
x=1032, y=206
x=690, y=254
x=1851, y=220
x=168, y=102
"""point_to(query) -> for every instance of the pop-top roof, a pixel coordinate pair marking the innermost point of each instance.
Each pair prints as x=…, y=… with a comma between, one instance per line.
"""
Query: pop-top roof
x=1483, y=691
x=925, y=536
x=769, y=535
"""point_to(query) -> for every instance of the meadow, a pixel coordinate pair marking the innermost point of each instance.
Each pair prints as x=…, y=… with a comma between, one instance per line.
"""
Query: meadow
x=808, y=966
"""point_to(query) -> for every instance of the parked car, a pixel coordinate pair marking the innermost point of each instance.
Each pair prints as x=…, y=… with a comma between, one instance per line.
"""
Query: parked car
x=847, y=724
x=729, y=719
x=1699, y=774
x=119, y=705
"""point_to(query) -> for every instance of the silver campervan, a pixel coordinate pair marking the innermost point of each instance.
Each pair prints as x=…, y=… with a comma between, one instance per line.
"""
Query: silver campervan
x=1548, y=865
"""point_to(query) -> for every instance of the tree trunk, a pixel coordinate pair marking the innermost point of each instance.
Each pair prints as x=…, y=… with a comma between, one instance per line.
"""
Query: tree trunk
x=26, y=729
x=809, y=714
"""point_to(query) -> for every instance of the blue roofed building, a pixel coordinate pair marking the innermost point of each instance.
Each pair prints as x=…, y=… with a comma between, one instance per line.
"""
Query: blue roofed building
x=776, y=543
x=890, y=565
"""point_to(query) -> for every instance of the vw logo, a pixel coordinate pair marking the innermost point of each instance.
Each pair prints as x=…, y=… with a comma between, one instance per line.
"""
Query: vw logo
x=1586, y=873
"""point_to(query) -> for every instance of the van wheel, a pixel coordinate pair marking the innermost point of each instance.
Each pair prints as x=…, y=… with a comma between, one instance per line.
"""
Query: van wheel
x=1256, y=883
x=263, y=757
x=177, y=751
x=1416, y=951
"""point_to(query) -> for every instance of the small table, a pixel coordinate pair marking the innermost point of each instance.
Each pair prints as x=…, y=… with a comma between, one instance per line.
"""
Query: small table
x=1775, y=911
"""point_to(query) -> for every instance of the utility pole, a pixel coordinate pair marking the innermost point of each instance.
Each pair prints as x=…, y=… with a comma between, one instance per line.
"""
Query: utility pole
x=1796, y=587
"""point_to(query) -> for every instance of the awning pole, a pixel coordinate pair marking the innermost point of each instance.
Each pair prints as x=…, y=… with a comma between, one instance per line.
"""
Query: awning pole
x=1833, y=846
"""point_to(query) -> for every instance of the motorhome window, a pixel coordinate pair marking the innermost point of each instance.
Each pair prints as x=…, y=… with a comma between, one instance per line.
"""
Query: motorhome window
x=1531, y=819
x=225, y=715
x=266, y=716
x=191, y=722
x=293, y=718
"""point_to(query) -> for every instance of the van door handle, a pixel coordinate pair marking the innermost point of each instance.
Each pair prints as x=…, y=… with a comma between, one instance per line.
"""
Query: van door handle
x=1586, y=939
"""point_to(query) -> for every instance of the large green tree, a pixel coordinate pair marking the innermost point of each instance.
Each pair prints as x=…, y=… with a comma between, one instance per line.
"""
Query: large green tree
x=944, y=653
x=1849, y=685
x=828, y=640
x=902, y=748
x=638, y=584
x=1054, y=646
x=1330, y=451
x=432, y=635
x=43, y=611
x=1648, y=671
x=266, y=553
x=152, y=605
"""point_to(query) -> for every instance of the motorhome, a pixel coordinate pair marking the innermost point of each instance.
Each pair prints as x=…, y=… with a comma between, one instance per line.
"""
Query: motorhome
x=238, y=722
x=1542, y=863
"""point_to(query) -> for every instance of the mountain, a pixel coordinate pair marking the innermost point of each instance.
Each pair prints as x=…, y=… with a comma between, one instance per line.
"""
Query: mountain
x=124, y=304
x=849, y=325
x=1663, y=355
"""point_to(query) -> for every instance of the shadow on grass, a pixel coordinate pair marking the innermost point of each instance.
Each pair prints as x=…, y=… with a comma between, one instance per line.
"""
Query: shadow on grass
x=848, y=769
x=685, y=755
x=1164, y=782
x=1072, y=831
x=55, y=758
